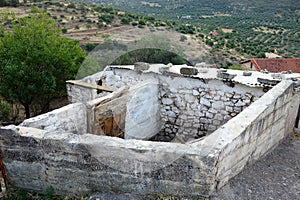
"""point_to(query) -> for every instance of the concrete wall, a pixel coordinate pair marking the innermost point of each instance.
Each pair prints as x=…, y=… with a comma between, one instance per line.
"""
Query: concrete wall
x=139, y=104
x=70, y=118
x=78, y=164
x=255, y=132
x=80, y=94
x=143, y=111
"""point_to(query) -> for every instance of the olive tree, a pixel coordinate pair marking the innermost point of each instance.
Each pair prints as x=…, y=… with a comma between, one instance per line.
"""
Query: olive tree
x=36, y=61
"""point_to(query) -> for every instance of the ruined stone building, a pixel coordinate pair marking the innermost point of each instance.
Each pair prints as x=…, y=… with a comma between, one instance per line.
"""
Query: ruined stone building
x=152, y=129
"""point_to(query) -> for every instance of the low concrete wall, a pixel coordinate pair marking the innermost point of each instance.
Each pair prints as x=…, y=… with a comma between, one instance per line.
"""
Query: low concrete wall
x=70, y=118
x=255, y=132
x=78, y=164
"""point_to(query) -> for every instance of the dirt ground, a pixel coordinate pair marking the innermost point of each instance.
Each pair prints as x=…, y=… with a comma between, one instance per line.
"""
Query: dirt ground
x=274, y=177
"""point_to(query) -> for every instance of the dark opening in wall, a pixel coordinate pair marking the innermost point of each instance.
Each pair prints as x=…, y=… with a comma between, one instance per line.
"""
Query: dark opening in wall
x=297, y=118
x=100, y=83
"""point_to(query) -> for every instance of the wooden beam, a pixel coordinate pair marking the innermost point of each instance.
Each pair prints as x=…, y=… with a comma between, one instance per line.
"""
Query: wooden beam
x=89, y=85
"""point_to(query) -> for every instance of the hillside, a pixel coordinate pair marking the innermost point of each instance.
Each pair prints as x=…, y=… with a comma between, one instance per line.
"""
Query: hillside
x=93, y=24
x=252, y=27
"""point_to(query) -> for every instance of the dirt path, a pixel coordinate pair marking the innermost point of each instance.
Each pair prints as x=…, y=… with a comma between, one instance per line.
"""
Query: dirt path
x=277, y=176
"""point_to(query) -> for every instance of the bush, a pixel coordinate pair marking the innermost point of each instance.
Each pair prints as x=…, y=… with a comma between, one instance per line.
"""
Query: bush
x=5, y=111
x=235, y=67
x=134, y=23
x=64, y=30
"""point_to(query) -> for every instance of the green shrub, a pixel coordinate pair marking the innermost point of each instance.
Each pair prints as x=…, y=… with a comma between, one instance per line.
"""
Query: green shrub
x=64, y=30
x=236, y=67
x=5, y=111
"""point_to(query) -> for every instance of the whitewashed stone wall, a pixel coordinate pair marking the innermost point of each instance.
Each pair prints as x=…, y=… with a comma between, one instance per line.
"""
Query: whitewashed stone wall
x=191, y=109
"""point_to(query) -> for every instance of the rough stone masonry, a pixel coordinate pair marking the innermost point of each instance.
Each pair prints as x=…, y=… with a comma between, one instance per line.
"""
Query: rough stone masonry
x=235, y=121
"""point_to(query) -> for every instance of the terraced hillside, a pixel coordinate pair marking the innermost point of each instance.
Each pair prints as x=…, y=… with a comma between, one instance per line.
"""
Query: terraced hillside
x=257, y=26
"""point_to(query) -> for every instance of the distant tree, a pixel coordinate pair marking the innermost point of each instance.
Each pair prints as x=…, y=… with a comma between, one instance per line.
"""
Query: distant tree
x=36, y=61
x=64, y=30
x=71, y=5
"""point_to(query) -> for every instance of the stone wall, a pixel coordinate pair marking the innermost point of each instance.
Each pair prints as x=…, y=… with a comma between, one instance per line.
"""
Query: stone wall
x=70, y=118
x=255, y=132
x=192, y=109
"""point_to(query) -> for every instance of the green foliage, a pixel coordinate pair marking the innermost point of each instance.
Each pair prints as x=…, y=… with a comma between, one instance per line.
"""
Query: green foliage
x=49, y=193
x=134, y=23
x=36, y=61
x=125, y=20
x=263, y=28
x=34, y=9
x=14, y=3
x=90, y=46
x=18, y=194
x=149, y=55
x=71, y=5
x=64, y=30
x=107, y=18
x=235, y=67
x=5, y=111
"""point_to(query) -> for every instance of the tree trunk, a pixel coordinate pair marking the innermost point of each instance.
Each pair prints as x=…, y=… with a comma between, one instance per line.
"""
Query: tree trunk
x=27, y=110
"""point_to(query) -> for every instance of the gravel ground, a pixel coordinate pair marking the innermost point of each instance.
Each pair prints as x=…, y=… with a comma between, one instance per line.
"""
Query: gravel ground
x=276, y=176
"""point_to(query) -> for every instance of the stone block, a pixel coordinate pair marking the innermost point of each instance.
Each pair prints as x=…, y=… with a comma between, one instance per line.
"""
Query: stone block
x=167, y=101
x=218, y=105
x=196, y=93
x=204, y=120
x=237, y=109
x=219, y=117
x=180, y=103
x=188, y=71
x=216, y=122
x=141, y=66
x=240, y=103
x=209, y=115
x=189, y=98
x=171, y=114
x=205, y=102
